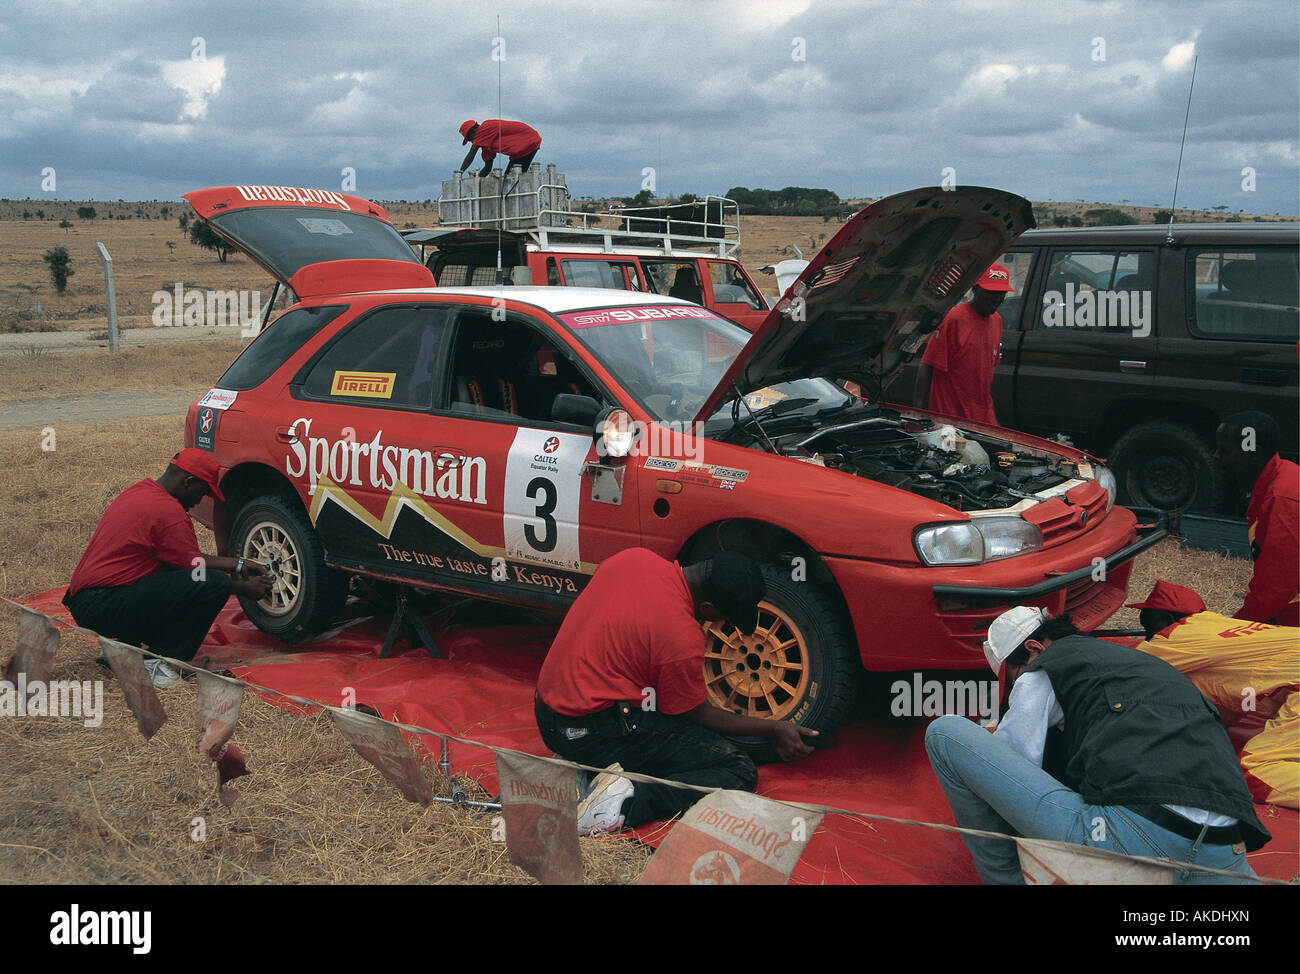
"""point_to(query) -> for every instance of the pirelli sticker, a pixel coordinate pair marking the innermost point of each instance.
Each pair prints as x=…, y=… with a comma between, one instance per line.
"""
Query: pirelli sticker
x=704, y=474
x=367, y=385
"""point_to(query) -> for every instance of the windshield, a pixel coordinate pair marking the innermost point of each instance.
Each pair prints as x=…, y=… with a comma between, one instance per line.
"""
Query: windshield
x=670, y=358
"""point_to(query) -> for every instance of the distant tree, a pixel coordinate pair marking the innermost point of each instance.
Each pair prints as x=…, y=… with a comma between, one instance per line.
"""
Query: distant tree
x=66, y=225
x=1161, y=216
x=60, y=267
x=1060, y=220
x=1076, y=221
x=202, y=235
x=85, y=213
x=40, y=214
x=1111, y=218
x=171, y=244
x=27, y=214
x=1221, y=206
x=164, y=213
x=184, y=221
x=642, y=198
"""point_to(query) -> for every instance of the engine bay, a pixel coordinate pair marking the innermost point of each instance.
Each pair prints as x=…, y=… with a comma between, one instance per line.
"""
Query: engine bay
x=965, y=471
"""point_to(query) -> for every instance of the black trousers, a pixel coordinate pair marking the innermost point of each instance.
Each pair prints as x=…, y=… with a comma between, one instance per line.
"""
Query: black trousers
x=656, y=744
x=170, y=613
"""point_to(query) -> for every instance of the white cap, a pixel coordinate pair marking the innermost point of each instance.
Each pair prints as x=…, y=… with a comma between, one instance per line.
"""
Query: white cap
x=1009, y=630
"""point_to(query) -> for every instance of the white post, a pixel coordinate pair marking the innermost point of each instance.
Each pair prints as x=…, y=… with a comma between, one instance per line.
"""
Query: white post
x=111, y=292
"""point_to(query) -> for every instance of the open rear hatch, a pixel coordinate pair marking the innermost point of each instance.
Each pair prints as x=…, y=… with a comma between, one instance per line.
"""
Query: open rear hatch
x=867, y=301
x=316, y=241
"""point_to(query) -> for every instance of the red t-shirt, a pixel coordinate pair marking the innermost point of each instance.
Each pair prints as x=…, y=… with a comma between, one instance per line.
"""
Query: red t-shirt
x=512, y=139
x=962, y=353
x=1273, y=525
x=144, y=531
x=632, y=627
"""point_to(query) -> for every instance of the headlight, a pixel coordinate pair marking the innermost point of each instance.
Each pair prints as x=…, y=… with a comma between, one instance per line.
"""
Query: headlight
x=1107, y=480
x=976, y=541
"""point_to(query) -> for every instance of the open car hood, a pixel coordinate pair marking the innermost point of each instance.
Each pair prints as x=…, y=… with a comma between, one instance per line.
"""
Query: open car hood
x=316, y=241
x=865, y=304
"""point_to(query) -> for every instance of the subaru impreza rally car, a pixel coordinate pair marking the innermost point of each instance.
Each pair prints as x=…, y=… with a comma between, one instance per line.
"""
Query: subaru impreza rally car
x=501, y=442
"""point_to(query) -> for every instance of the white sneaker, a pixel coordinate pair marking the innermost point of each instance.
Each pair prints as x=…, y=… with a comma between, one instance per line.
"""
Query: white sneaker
x=163, y=676
x=602, y=810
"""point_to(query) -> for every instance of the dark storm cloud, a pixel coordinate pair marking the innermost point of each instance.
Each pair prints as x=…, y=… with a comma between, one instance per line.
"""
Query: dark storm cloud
x=865, y=98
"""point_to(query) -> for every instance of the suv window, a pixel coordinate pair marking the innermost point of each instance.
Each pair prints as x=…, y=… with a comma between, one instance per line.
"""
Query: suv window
x=676, y=278
x=389, y=359
x=1098, y=289
x=272, y=348
x=1243, y=294
x=602, y=273
x=730, y=285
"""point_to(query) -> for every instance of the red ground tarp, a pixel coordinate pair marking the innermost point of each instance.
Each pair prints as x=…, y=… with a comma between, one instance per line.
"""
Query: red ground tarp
x=483, y=690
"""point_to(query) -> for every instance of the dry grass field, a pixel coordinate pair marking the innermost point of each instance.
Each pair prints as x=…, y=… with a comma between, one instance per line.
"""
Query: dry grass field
x=81, y=805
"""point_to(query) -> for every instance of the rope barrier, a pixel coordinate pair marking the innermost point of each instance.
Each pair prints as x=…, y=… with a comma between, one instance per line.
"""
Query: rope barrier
x=649, y=779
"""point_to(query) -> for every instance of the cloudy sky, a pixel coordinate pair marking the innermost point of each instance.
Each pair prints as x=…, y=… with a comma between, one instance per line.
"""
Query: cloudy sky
x=1076, y=99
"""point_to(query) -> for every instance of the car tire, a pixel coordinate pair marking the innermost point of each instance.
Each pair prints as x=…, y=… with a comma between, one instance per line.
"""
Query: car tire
x=306, y=596
x=801, y=664
x=1165, y=466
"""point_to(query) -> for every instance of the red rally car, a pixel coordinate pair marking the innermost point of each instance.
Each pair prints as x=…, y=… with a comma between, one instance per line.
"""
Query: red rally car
x=502, y=441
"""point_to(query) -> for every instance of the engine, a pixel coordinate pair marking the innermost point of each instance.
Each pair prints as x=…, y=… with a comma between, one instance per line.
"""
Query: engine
x=965, y=471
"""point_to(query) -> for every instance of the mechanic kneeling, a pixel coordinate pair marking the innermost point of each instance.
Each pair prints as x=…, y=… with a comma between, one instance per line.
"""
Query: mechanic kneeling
x=1137, y=761
x=624, y=682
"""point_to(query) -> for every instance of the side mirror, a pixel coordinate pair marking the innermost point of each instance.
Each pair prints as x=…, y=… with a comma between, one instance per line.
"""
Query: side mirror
x=579, y=410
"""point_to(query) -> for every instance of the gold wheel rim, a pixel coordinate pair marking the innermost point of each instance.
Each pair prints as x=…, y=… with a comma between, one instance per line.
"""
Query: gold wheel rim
x=765, y=675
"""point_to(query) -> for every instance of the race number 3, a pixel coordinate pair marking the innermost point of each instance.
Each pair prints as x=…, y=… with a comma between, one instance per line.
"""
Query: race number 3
x=543, y=489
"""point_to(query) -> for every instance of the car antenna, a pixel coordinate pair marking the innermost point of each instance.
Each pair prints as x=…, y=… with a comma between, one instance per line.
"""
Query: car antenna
x=501, y=205
x=1169, y=233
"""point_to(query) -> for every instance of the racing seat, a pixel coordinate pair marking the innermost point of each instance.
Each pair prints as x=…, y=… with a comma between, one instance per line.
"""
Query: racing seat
x=686, y=286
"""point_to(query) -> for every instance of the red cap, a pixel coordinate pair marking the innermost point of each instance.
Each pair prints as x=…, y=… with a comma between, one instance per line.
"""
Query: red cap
x=465, y=126
x=1171, y=598
x=996, y=278
x=201, y=464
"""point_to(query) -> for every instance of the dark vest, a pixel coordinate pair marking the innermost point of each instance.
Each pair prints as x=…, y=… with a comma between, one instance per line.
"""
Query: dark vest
x=1137, y=732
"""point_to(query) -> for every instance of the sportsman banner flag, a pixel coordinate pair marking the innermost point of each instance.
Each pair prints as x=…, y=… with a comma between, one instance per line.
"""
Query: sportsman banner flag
x=381, y=744
x=733, y=838
x=217, y=711
x=133, y=678
x=539, y=802
x=1046, y=863
x=37, y=641
x=230, y=765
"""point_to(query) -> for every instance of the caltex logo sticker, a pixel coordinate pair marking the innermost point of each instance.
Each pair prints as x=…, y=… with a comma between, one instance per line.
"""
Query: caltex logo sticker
x=551, y=445
x=205, y=421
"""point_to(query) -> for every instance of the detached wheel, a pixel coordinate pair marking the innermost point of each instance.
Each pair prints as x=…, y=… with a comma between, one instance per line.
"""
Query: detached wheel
x=801, y=663
x=1165, y=466
x=305, y=596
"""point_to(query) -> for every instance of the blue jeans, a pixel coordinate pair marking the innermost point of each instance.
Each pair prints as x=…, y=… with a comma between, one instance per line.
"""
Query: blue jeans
x=992, y=787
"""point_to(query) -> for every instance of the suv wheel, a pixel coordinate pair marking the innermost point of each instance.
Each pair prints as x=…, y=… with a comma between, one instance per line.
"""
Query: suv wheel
x=1165, y=466
x=801, y=663
x=305, y=596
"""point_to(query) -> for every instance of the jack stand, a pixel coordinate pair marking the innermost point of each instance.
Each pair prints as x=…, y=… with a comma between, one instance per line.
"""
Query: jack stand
x=407, y=624
x=444, y=766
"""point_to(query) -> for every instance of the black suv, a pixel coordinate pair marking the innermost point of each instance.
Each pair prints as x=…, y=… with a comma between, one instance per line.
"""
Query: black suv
x=1136, y=342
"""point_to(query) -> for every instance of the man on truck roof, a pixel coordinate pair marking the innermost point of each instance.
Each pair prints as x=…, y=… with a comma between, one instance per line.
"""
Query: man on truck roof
x=515, y=140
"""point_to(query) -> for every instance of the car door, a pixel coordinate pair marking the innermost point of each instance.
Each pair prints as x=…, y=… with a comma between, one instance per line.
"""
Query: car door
x=551, y=510
x=361, y=435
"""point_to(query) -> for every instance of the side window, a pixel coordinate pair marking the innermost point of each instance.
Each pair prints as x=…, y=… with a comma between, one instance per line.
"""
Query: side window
x=1020, y=264
x=731, y=287
x=676, y=278
x=509, y=369
x=599, y=273
x=389, y=359
x=1106, y=289
x=552, y=273
x=1243, y=294
x=272, y=348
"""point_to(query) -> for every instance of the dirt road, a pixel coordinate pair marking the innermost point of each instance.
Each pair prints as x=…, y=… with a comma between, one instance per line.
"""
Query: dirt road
x=37, y=343
x=36, y=414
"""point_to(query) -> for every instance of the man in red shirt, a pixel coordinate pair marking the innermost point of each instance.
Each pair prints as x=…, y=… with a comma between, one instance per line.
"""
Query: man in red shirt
x=142, y=578
x=956, y=376
x=515, y=140
x=624, y=682
x=1246, y=452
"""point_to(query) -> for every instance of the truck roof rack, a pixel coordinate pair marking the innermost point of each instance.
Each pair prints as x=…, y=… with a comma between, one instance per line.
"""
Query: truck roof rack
x=535, y=204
